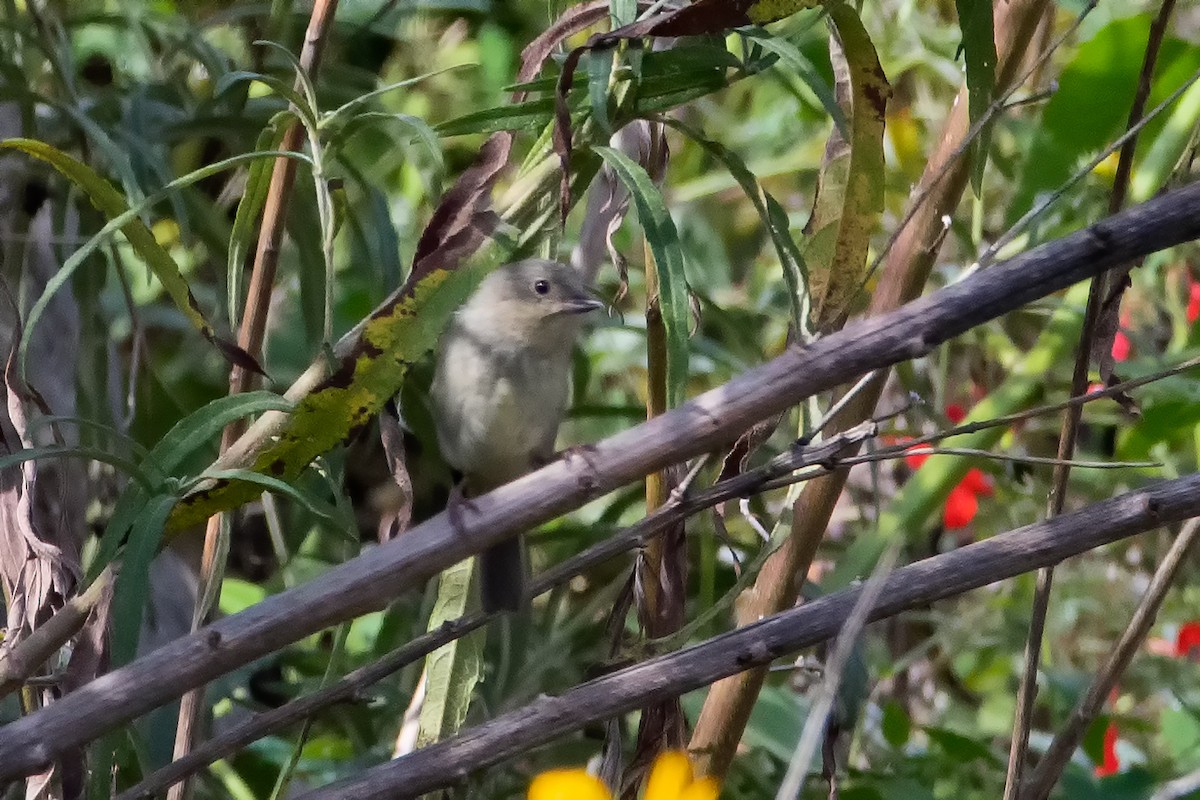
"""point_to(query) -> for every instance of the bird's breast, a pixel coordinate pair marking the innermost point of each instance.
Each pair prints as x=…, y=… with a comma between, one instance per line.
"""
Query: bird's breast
x=494, y=414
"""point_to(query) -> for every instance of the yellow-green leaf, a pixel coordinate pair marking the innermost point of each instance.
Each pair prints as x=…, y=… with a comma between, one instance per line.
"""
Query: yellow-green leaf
x=399, y=333
x=850, y=192
x=451, y=672
x=111, y=203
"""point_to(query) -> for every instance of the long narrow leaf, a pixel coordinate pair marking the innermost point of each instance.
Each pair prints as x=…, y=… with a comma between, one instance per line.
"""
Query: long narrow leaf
x=791, y=56
x=204, y=425
x=126, y=219
x=267, y=483
x=979, y=52
x=850, y=192
x=772, y=214
x=133, y=583
x=668, y=260
x=451, y=672
x=254, y=196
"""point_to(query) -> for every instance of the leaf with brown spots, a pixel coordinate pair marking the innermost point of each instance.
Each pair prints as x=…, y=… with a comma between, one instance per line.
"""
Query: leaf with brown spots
x=372, y=363
x=849, y=196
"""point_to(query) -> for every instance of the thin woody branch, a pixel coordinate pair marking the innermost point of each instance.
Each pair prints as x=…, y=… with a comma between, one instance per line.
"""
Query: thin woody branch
x=678, y=507
x=369, y=581
x=777, y=636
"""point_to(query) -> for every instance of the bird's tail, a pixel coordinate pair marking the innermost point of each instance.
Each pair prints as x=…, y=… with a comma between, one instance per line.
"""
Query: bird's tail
x=502, y=576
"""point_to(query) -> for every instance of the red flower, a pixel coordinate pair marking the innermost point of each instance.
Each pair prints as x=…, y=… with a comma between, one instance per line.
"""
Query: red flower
x=915, y=456
x=1193, y=306
x=1122, y=348
x=1110, y=765
x=1187, y=641
x=962, y=504
x=977, y=482
x=961, y=507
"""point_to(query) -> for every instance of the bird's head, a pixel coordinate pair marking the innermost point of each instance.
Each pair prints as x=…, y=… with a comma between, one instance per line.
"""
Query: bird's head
x=532, y=301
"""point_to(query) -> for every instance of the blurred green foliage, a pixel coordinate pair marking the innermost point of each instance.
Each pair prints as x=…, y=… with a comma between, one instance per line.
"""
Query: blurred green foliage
x=147, y=91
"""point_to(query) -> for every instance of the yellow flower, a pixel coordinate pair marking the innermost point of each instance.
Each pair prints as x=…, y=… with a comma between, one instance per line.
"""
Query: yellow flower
x=568, y=784
x=671, y=778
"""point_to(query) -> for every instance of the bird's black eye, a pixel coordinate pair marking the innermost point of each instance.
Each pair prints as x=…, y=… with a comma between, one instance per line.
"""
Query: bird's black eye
x=541, y=287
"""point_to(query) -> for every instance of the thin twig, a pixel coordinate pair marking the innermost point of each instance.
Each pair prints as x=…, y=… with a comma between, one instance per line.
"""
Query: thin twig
x=702, y=424
x=1050, y=768
x=1183, y=786
x=1097, y=294
x=909, y=258
x=842, y=402
x=776, y=636
x=680, y=505
x=250, y=339
x=816, y=723
x=892, y=453
x=1121, y=143
x=1158, y=30
x=998, y=105
x=17, y=664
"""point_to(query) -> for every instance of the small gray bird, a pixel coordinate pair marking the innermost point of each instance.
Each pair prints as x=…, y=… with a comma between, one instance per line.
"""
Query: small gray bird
x=500, y=391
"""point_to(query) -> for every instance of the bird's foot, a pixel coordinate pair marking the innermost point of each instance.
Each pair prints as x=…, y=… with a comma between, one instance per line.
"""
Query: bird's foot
x=584, y=453
x=455, y=504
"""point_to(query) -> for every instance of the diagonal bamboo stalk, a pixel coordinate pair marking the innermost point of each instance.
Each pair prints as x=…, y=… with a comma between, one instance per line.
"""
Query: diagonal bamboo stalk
x=727, y=708
x=1098, y=294
x=780, y=635
x=711, y=419
x=250, y=339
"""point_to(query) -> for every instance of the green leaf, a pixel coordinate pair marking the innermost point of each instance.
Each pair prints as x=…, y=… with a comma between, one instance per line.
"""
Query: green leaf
x=776, y=721
x=451, y=672
x=526, y=115
x=267, y=483
x=773, y=215
x=344, y=111
x=1074, y=126
x=667, y=80
x=850, y=189
x=306, y=106
x=254, y=197
x=238, y=595
x=896, y=725
x=668, y=260
x=203, y=426
x=979, y=52
x=960, y=748
x=125, y=511
x=300, y=107
x=1162, y=159
x=77, y=451
x=795, y=60
x=922, y=495
x=200, y=428
x=305, y=229
x=417, y=128
x=599, y=69
x=622, y=12
x=126, y=219
x=133, y=581
x=397, y=334
x=110, y=202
